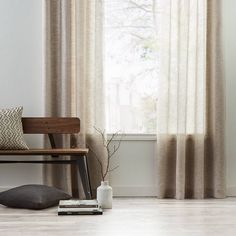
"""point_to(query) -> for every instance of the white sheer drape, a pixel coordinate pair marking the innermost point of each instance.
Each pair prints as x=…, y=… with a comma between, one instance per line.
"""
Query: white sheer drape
x=74, y=78
x=190, y=128
x=182, y=88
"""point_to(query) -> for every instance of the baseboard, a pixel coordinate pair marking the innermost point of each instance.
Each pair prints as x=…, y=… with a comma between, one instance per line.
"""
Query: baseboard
x=150, y=191
x=134, y=191
x=120, y=191
x=231, y=191
x=137, y=191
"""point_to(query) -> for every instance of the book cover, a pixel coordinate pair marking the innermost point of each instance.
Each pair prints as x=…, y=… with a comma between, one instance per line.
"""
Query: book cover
x=79, y=211
x=78, y=203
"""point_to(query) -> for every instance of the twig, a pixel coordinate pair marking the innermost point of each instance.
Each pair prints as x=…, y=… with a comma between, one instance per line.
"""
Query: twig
x=110, y=154
x=113, y=168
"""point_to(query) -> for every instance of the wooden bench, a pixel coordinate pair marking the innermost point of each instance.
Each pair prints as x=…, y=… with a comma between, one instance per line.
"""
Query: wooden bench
x=52, y=126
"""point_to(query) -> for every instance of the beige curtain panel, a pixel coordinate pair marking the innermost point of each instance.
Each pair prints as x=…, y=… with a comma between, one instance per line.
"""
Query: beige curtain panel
x=74, y=79
x=190, y=136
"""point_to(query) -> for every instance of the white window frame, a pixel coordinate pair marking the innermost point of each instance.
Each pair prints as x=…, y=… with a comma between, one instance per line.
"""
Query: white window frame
x=136, y=137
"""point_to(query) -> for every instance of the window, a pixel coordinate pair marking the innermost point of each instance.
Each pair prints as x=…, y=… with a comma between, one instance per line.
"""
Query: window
x=131, y=65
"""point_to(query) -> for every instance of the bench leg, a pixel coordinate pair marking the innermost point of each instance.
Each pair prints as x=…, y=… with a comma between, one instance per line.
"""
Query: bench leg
x=74, y=181
x=82, y=168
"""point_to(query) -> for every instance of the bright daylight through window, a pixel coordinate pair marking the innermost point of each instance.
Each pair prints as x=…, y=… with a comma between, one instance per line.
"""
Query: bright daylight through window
x=131, y=65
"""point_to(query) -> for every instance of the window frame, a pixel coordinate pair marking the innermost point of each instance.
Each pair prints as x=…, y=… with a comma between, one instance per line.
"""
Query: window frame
x=135, y=137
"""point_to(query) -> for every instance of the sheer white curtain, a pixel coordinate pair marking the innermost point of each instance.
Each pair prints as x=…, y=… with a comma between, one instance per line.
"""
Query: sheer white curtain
x=74, y=79
x=190, y=123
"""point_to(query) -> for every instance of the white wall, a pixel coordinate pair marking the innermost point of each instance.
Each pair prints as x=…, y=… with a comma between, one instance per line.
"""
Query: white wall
x=136, y=174
x=22, y=84
x=21, y=74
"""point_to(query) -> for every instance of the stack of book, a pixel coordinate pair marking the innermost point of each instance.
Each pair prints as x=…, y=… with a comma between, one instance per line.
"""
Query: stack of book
x=79, y=207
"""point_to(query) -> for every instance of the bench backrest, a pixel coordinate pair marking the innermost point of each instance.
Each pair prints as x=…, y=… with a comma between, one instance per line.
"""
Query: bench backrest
x=51, y=125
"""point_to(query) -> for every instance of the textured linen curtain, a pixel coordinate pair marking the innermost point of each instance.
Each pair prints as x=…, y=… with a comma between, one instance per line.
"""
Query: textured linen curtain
x=74, y=81
x=190, y=134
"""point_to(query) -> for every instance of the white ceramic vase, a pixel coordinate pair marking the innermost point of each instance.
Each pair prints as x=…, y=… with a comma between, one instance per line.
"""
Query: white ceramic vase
x=104, y=195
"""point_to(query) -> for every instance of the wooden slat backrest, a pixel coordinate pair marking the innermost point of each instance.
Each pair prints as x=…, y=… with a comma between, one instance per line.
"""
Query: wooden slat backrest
x=51, y=125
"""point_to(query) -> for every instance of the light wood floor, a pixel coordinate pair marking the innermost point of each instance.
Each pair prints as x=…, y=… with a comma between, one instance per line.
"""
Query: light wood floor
x=129, y=216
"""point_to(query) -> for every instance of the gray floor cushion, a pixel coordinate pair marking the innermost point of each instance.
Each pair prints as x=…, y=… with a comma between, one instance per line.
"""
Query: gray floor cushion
x=32, y=197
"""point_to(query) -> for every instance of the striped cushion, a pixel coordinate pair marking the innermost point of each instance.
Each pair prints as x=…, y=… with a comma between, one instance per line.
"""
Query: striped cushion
x=11, y=130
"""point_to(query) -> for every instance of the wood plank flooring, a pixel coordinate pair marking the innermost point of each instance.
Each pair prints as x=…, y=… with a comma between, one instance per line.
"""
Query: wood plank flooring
x=129, y=216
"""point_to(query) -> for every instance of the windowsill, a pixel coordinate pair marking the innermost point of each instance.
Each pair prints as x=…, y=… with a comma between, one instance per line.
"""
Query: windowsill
x=136, y=137
x=146, y=137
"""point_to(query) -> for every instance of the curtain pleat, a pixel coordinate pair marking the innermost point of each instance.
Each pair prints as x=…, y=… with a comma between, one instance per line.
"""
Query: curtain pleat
x=215, y=98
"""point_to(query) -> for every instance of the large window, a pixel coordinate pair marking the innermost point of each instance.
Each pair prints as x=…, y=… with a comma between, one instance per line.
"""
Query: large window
x=131, y=65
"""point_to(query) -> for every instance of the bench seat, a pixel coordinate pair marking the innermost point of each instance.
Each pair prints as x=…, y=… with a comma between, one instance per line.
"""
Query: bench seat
x=78, y=156
x=49, y=151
